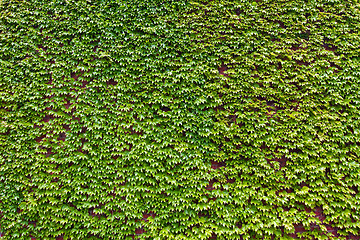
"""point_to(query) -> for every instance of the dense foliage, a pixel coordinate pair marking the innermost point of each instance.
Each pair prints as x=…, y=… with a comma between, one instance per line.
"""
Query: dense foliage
x=224, y=119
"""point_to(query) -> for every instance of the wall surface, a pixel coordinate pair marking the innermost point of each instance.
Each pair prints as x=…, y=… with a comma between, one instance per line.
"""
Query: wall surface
x=224, y=119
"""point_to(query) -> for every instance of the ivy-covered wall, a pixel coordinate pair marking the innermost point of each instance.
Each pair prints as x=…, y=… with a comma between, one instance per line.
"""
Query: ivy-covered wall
x=177, y=119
